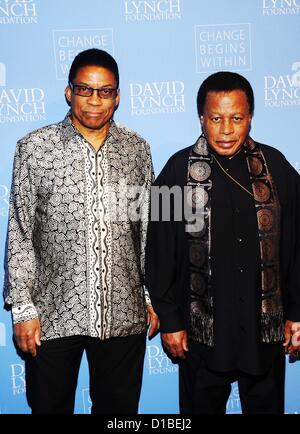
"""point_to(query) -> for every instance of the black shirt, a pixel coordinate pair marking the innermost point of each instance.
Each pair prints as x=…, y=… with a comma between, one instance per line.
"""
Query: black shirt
x=235, y=266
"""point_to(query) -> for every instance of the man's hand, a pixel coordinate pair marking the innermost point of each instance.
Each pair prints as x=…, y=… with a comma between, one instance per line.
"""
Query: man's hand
x=176, y=343
x=292, y=337
x=27, y=335
x=153, y=320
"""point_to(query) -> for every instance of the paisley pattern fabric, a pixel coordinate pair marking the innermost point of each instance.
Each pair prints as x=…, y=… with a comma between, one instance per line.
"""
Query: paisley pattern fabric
x=77, y=232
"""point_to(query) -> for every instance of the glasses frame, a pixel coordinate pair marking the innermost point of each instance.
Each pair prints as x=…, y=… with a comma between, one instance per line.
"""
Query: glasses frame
x=93, y=89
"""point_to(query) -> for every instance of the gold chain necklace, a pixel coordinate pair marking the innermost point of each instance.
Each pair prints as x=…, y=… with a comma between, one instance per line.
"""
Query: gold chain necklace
x=229, y=176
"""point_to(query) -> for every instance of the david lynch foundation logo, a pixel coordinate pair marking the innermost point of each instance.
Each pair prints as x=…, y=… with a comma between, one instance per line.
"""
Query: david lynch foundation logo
x=18, y=12
x=18, y=378
x=157, y=361
x=20, y=104
x=68, y=43
x=87, y=402
x=233, y=405
x=223, y=46
x=2, y=335
x=281, y=7
x=152, y=10
x=283, y=90
x=162, y=97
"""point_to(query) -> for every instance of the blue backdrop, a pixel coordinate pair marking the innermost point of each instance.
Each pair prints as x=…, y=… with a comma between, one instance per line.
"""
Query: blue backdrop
x=165, y=49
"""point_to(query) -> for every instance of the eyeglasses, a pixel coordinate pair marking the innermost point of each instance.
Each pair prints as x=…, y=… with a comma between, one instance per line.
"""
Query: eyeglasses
x=102, y=92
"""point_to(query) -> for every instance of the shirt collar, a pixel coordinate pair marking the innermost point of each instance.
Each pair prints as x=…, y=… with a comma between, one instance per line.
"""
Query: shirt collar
x=71, y=131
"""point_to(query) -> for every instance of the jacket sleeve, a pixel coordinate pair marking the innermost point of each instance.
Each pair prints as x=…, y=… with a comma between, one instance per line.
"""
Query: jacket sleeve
x=161, y=257
x=293, y=281
x=20, y=260
x=145, y=215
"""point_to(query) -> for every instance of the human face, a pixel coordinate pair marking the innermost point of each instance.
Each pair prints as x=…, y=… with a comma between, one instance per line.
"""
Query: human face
x=92, y=114
x=226, y=121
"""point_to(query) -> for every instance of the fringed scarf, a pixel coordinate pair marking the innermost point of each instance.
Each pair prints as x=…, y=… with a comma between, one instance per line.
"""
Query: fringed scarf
x=268, y=219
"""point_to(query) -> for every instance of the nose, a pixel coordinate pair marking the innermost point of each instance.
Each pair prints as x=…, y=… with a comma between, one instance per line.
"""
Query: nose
x=226, y=126
x=95, y=99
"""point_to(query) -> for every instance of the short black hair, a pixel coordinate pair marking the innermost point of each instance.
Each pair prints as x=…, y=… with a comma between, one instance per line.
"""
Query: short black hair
x=224, y=81
x=95, y=57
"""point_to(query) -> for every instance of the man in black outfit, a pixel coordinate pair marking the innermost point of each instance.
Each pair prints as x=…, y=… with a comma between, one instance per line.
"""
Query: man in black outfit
x=228, y=293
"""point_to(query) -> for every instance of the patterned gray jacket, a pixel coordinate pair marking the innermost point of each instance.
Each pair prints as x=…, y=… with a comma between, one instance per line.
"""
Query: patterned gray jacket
x=76, y=233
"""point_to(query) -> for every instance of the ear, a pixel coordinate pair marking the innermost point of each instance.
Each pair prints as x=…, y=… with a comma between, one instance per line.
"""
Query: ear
x=68, y=94
x=250, y=122
x=117, y=100
x=201, y=120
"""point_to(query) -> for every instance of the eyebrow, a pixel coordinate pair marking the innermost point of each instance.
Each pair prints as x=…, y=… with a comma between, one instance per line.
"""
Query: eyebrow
x=220, y=114
x=81, y=83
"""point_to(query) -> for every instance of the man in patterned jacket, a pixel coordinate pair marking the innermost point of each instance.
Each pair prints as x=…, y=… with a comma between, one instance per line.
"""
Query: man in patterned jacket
x=75, y=248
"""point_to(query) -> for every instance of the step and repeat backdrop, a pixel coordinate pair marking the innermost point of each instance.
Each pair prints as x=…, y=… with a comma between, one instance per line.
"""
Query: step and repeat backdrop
x=165, y=49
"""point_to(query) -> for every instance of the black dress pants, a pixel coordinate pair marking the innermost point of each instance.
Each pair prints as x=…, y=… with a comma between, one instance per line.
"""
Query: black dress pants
x=204, y=391
x=115, y=369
